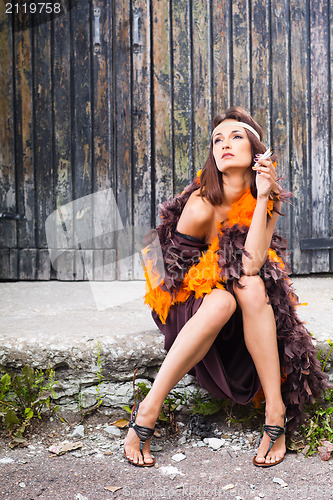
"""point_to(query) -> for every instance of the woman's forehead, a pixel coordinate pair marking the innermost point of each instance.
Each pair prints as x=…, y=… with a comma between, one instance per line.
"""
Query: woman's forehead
x=228, y=126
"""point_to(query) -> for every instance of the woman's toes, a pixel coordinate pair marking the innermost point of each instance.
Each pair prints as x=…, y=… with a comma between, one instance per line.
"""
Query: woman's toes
x=137, y=459
x=148, y=459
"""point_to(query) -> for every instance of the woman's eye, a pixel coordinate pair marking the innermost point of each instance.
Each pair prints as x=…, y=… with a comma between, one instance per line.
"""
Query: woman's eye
x=238, y=137
x=217, y=140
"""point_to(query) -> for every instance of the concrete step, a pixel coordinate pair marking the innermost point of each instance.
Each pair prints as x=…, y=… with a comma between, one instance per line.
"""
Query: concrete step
x=69, y=326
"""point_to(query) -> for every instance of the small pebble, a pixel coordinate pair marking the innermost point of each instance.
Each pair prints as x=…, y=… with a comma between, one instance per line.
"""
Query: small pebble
x=228, y=487
x=214, y=443
x=178, y=457
x=21, y=485
x=6, y=460
x=112, y=430
x=78, y=431
x=156, y=447
x=170, y=470
x=280, y=482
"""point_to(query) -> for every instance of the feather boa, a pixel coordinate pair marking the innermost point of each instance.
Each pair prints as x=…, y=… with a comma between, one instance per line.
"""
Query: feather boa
x=221, y=266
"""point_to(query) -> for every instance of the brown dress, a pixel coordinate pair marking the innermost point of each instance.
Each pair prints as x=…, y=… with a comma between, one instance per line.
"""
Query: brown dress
x=227, y=370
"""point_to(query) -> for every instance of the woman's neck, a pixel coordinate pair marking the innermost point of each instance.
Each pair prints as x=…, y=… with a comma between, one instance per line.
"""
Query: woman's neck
x=235, y=184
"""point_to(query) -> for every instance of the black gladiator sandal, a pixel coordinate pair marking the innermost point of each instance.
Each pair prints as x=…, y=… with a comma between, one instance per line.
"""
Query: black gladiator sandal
x=274, y=432
x=144, y=433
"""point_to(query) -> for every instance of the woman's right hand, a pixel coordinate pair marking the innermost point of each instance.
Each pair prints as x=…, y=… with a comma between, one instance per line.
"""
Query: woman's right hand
x=266, y=178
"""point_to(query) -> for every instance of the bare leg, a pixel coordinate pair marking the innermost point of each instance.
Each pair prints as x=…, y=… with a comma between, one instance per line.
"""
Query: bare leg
x=191, y=345
x=261, y=342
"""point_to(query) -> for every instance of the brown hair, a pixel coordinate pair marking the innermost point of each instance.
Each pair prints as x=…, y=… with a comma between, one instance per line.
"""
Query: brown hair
x=211, y=179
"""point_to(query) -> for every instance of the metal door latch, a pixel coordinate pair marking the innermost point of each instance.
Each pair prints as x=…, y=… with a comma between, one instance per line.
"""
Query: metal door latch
x=136, y=31
x=97, y=39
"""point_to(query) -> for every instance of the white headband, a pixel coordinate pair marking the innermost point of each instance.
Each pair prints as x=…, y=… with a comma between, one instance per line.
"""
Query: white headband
x=241, y=124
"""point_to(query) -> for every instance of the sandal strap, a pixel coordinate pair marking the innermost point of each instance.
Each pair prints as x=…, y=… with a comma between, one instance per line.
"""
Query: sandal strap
x=144, y=433
x=274, y=432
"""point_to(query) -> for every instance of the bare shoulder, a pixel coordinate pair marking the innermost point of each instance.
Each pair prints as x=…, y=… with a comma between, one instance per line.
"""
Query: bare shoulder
x=197, y=216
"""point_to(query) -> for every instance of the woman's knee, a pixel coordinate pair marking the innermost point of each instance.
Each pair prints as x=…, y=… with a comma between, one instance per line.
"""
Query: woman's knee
x=221, y=302
x=253, y=294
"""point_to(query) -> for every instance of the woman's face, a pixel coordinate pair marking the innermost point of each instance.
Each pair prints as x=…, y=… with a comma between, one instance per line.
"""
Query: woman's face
x=231, y=147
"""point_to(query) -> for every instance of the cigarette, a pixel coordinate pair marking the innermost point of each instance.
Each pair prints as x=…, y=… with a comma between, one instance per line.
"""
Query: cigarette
x=266, y=155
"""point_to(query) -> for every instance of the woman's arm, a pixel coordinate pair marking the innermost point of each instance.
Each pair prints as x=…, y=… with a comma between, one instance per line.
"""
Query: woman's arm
x=261, y=231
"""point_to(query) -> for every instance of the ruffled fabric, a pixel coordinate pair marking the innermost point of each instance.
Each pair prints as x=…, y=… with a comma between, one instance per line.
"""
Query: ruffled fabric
x=191, y=273
x=187, y=272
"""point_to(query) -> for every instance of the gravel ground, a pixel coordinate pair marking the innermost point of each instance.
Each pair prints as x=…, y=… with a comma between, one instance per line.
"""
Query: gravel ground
x=98, y=470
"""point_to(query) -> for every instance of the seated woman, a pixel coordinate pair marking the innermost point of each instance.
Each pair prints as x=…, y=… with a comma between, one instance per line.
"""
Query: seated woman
x=225, y=303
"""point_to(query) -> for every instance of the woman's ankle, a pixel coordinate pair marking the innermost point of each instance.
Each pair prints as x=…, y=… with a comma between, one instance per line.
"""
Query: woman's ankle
x=275, y=410
x=148, y=411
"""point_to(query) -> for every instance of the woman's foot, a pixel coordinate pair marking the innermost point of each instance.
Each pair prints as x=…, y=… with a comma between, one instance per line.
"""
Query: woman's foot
x=278, y=450
x=132, y=441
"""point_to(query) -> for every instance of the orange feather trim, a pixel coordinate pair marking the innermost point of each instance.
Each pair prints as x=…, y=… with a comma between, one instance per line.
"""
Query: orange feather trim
x=241, y=211
x=201, y=278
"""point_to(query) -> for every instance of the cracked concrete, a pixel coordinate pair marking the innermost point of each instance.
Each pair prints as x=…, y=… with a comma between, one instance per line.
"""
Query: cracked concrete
x=64, y=324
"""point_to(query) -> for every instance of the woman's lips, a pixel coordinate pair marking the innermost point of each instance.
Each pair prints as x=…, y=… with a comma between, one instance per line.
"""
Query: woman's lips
x=227, y=155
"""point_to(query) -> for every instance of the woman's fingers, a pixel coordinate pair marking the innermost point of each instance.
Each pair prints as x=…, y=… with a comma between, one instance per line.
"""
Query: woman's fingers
x=266, y=179
x=265, y=166
x=264, y=163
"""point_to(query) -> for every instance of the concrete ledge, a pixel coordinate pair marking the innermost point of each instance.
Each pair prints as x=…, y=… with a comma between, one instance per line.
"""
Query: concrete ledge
x=62, y=325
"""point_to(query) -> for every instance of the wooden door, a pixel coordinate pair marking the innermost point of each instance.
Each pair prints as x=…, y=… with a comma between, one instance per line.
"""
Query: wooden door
x=118, y=97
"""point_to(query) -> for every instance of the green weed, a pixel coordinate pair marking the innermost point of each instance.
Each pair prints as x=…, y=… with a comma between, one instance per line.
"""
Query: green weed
x=23, y=396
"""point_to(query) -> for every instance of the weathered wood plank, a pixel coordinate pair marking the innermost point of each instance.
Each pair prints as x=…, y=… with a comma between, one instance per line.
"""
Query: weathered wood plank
x=65, y=265
x=62, y=102
x=27, y=263
x=162, y=67
x=201, y=77
x=220, y=19
x=141, y=47
x=82, y=126
x=43, y=158
x=181, y=94
x=43, y=265
x=259, y=63
x=331, y=128
x=240, y=62
x=8, y=264
x=320, y=129
x=123, y=123
x=109, y=265
x=280, y=36
x=84, y=269
x=24, y=134
x=105, y=265
x=300, y=166
x=104, y=219
x=7, y=162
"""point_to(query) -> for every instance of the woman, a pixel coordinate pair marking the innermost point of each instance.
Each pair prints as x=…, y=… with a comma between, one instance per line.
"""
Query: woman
x=225, y=303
